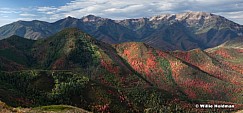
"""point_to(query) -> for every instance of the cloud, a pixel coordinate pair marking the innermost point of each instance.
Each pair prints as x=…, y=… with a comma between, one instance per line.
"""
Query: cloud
x=140, y=8
x=8, y=11
x=120, y=9
x=27, y=15
x=5, y=20
x=46, y=9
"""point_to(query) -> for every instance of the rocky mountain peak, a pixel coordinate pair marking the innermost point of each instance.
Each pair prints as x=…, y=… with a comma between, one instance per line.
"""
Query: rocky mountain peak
x=183, y=16
x=91, y=18
x=161, y=17
x=69, y=18
x=188, y=30
x=131, y=21
x=200, y=19
x=66, y=20
x=193, y=15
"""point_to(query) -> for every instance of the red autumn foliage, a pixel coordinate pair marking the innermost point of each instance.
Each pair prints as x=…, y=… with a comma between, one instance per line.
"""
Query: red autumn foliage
x=176, y=67
x=59, y=64
x=234, y=66
x=110, y=67
x=198, y=83
x=102, y=108
x=223, y=53
x=239, y=50
x=162, y=54
x=191, y=94
x=126, y=53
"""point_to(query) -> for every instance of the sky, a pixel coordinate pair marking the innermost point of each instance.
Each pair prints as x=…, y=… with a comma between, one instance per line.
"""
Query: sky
x=53, y=10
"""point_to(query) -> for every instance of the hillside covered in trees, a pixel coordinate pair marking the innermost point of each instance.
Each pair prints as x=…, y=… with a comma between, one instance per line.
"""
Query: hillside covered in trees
x=72, y=68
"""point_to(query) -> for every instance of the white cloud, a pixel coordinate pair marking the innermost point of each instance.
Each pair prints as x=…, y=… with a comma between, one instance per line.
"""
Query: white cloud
x=120, y=9
x=4, y=21
x=25, y=18
x=27, y=15
x=139, y=8
x=236, y=16
x=46, y=9
x=8, y=11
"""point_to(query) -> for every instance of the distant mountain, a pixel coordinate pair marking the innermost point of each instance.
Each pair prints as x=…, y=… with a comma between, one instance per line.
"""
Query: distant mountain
x=235, y=43
x=29, y=29
x=183, y=31
x=72, y=68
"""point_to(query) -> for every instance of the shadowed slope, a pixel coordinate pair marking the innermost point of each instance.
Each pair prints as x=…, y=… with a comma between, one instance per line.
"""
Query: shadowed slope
x=75, y=69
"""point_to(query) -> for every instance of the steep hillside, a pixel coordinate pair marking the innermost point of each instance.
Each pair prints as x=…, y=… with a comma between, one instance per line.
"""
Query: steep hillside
x=70, y=49
x=184, y=73
x=236, y=43
x=183, y=31
x=34, y=88
x=229, y=55
x=208, y=63
x=72, y=68
x=15, y=53
x=29, y=29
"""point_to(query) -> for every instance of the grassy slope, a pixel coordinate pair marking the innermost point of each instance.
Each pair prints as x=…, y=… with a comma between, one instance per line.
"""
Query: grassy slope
x=43, y=109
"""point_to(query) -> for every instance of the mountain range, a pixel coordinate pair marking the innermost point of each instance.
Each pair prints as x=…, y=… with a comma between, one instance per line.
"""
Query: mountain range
x=73, y=68
x=185, y=31
x=165, y=63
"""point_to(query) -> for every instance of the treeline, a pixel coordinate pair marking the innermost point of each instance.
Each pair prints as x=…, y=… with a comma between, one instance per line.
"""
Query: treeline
x=47, y=87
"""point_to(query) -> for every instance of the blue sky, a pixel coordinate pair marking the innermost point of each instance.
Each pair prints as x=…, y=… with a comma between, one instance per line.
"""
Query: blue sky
x=52, y=10
x=27, y=3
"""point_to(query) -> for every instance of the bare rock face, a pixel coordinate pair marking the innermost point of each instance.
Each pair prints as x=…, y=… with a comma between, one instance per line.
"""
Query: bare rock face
x=184, y=31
